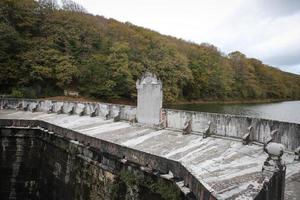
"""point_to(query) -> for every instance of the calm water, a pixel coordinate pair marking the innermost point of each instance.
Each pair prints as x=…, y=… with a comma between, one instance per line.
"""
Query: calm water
x=288, y=111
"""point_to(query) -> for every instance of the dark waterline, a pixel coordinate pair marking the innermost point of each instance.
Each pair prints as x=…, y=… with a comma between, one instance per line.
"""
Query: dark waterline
x=288, y=111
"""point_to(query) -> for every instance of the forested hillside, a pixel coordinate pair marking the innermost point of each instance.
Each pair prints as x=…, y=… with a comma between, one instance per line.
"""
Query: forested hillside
x=46, y=48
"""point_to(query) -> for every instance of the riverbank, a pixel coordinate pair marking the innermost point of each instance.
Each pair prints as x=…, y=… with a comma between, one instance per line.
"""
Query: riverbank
x=179, y=102
x=229, y=101
x=287, y=111
x=91, y=99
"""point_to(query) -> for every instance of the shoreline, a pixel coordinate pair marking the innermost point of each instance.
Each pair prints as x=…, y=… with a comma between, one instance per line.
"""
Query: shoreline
x=229, y=101
x=179, y=102
x=90, y=99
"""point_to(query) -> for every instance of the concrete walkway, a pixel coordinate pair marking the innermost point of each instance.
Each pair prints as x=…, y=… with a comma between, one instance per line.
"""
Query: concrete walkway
x=225, y=166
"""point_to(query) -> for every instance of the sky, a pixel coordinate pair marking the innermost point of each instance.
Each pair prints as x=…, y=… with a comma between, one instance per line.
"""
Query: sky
x=268, y=30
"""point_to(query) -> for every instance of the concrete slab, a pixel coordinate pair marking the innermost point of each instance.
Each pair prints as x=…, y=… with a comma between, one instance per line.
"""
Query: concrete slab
x=230, y=169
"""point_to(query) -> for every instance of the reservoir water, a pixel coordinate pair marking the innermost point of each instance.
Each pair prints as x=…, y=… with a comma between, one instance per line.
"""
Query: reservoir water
x=288, y=111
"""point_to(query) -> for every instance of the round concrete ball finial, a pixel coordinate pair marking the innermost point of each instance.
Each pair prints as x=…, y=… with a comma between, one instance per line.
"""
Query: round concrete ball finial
x=275, y=149
x=274, y=162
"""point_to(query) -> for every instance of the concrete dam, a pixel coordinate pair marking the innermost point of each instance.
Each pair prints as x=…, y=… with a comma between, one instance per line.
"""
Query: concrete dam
x=87, y=150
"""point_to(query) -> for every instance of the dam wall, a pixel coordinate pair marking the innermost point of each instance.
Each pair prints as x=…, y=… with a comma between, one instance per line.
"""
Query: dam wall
x=125, y=112
x=262, y=130
x=236, y=126
x=37, y=155
x=37, y=164
x=158, y=164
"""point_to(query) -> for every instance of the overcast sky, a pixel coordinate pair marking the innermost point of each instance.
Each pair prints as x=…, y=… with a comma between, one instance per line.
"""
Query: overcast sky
x=265, y=29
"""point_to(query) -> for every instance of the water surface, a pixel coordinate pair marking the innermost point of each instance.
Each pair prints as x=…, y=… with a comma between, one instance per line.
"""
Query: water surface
x=288, y=111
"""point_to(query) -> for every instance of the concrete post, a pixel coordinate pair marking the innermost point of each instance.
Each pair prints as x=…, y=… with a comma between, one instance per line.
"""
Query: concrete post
x=276, y=166
x=149, y=100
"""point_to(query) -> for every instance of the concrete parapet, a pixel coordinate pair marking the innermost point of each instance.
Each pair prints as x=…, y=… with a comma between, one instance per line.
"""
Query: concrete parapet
x=236, y=126
x=222, y=124
x=149, y=162
x=126, y=112
x=71, y=169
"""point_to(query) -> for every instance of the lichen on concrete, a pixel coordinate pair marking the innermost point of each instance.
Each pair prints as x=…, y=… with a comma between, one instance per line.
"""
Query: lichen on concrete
x=47, y=166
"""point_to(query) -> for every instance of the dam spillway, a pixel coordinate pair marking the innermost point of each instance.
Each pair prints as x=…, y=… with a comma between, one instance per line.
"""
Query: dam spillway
x=211, y=167
x=36, y=164
x=204, y=155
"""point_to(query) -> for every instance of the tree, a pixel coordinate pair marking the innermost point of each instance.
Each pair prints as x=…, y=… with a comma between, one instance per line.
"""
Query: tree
x=46, y=48
x=66, y=73
x=70, y=5
x=119, y=71
x=47, y=5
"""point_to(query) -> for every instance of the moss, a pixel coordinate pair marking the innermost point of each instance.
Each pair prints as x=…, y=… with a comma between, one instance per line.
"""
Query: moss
x=151, y=185
x=166, y=189
x=129, y=178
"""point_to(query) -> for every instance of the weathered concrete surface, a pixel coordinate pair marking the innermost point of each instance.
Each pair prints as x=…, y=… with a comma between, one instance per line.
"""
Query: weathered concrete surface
x=226, y=168
x=221, y=124
x=149, y=99
x=36, y=164
x=292, y=191
x=292, y=182
x=104, y=110
x=236, y=126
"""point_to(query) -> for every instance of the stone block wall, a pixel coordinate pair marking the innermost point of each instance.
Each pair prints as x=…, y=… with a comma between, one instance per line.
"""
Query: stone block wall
x=37, y=164
x=84, y=165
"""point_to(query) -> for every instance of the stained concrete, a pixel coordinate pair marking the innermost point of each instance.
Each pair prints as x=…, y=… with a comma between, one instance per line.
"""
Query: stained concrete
x=221, y=124
x=225, y=167
x=149, y=99
x=38, y=165
x=237, y=126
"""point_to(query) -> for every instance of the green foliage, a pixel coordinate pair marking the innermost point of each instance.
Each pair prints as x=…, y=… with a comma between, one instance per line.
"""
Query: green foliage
x=165, y=189
x=23, y=92
x=129, y=178
x=49, y=48
x=17, y=93
x=65, y=73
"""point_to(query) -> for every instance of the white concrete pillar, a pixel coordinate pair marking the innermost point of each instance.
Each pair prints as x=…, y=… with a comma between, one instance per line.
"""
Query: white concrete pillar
x=149, y=100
